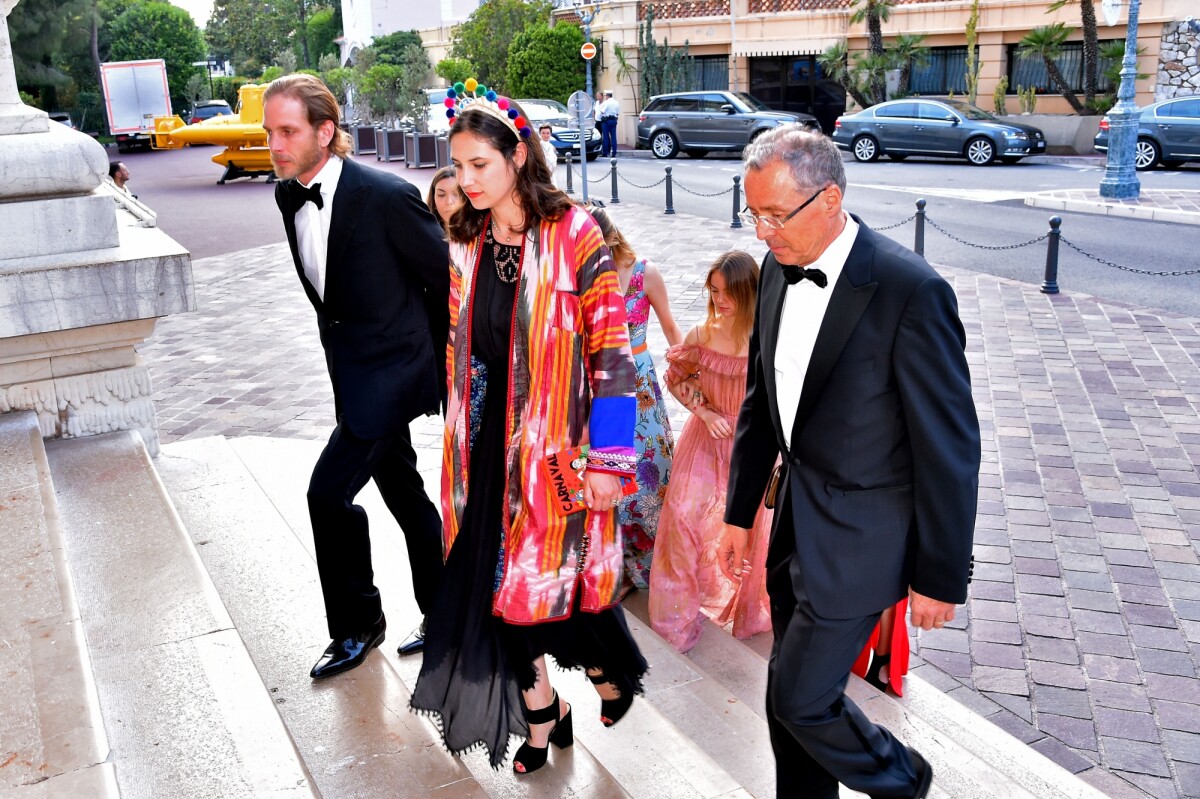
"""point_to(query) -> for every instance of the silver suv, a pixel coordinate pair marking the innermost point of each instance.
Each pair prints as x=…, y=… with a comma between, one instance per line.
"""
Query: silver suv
x=700, y=122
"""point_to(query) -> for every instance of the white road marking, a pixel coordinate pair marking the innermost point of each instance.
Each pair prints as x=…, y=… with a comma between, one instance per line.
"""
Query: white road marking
x=975, y=195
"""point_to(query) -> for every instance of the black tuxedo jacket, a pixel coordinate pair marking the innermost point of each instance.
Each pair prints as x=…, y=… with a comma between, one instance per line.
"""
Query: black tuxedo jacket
x=385, y=316
x=882, y=465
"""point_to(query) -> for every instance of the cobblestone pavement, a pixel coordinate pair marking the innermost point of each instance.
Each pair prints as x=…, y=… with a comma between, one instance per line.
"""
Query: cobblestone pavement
x=1084, y=619
x=1161, y=205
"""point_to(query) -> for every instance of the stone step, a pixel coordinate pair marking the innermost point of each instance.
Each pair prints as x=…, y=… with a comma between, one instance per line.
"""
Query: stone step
x=52, y=740
x=971, y=756
x=185, y=712
x=645, y=756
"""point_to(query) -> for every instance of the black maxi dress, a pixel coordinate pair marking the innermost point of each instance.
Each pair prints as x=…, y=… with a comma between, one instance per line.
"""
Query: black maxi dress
x=475, y=664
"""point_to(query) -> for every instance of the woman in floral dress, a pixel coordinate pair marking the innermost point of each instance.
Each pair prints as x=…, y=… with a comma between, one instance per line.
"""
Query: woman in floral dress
x=638, y=513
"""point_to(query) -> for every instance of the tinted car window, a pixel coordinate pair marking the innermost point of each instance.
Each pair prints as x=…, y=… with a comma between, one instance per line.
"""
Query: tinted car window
x=1183, y=108
x=685, y=104
x=661, y=104
x=711, y=103
x=935, y=111
x=897, y=110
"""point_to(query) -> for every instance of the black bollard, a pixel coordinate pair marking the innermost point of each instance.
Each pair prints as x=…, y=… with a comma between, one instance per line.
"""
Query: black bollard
x=1050, y=284
x=570, y=176
x=614, y=199
x=670, y=195
x=919, y=235
x=736, y=222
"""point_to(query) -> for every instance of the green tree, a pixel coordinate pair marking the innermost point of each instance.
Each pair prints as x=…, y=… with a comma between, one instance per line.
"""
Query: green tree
x=835, y=62
x=390, y=49
x=628, y=72
x=875, y=13
x=1091, y=48
x=159, y=30
x=662, y=69
x=1046, y=42
x=907, y=51
x=545, y=62
x=453, y=70
x=245, y=30
x=973, y=65
x=39, y=31
x=410, y=91
x=485, y=37
x=380, y=88
x=324, y=25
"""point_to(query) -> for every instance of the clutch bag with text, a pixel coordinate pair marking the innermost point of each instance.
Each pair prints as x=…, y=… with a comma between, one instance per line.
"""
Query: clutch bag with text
x=563, y=471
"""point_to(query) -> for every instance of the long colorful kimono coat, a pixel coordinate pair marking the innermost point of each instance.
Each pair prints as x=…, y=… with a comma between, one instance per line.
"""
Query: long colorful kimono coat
x=572, y=382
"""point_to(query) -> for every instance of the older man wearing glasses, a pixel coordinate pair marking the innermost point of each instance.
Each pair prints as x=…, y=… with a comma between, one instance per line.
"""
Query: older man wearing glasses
x=858, y=380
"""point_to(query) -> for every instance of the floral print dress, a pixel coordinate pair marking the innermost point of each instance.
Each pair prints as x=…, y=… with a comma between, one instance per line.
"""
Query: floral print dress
x=638, y=513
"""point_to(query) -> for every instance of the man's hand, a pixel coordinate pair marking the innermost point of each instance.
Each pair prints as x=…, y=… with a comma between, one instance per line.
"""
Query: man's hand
x=731, y=551
x=927, y=613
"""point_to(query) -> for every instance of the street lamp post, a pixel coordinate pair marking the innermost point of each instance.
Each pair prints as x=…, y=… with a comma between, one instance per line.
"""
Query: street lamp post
x=586, y=14
x=1120, y=176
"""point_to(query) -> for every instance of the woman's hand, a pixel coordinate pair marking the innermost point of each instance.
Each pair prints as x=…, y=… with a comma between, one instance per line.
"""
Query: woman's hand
x=718, y=426
x=601, y=490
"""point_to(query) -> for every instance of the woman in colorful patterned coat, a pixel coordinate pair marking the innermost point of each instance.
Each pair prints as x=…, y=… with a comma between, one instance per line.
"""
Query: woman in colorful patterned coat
x=539, y=363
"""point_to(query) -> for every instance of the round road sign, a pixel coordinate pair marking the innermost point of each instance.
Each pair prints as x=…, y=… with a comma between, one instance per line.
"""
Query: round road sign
x=588, y=51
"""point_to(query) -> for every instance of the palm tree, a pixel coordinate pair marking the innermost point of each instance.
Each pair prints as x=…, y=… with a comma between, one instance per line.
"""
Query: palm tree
x=908, y=51
x=873, y=69
x=835, y=62
x=626, y=71
x=875, y=12
x=1046, y=42
x=1091, y=49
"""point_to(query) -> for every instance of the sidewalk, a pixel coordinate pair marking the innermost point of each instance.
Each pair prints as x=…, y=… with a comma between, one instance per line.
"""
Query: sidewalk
x=1160, y=205
x=1084, y=620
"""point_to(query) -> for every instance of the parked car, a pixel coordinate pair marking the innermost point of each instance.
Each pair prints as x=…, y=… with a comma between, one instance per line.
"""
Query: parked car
x=565, y=139
x=208, y=109
x=935, y=126
x=700, y=122
x=1168, y=134
x=62, y=118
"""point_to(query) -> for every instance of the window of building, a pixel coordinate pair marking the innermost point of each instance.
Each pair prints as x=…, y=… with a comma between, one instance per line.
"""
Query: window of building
x=943, y=73
x=1031, y=70
x=710, y=73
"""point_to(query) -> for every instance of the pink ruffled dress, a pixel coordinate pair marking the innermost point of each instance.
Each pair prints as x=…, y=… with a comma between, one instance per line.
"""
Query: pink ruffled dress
x=686, y=584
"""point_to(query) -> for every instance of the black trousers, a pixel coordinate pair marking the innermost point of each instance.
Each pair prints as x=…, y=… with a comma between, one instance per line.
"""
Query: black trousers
x=820, y=738
x=340, y=531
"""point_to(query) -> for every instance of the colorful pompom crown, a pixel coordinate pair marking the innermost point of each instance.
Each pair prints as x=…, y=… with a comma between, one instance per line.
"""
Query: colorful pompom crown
x=471, y=94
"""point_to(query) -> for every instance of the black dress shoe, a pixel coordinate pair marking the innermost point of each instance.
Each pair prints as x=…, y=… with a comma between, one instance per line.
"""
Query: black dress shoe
x=924, y=774
x=346, y=653
x=414, y=643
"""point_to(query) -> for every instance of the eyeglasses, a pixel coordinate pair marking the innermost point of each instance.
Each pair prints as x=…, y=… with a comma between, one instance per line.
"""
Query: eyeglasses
x=752, y=219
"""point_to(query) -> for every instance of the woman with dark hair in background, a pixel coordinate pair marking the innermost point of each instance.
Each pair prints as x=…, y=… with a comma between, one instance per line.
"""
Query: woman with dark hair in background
x=444, y=197
x=539, y=366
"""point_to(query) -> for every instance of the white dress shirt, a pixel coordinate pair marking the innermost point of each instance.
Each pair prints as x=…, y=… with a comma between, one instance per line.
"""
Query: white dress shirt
x=610, y=108
x=312, y=225
x=804, y=307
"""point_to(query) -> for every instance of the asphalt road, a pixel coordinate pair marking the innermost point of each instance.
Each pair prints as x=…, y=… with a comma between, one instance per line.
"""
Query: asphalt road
x=982, y=206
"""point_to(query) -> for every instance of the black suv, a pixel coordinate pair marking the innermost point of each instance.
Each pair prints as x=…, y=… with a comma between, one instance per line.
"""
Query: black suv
x=209, y=109
x=700, y=122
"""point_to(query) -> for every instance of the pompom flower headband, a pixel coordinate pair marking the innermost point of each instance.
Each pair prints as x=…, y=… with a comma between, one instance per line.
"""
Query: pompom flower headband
x=471, y=94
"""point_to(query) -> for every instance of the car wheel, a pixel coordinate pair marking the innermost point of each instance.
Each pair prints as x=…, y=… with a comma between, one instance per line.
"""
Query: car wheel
x=1009, y=159
x=1146, y=155
x=980, y=151
x=664, y=145
x=865, y=149
x=1172, y=164
x=696, y=153
x=897, y=156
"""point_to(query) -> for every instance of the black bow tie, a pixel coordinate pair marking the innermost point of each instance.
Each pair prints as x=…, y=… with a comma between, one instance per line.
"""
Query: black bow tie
x=794, y=274
x=300, y=195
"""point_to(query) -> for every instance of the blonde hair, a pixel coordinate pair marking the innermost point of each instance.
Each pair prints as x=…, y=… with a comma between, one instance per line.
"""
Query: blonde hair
x=617, y=243
x=740, y=272
x=320, y=105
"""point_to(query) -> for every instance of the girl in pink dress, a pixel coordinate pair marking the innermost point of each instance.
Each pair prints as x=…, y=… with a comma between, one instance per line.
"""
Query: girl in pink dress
x=708, y=375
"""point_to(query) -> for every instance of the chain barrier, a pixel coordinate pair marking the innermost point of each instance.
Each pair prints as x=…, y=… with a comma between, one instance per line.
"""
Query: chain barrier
x=898, y=224
x=597, y=180
x=679, y=185
x=626, y=180
x=1099, y=260
x=950, y=235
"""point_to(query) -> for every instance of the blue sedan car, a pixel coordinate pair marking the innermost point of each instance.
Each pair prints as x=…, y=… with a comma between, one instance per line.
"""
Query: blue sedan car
x=938, y=127
x=1168, y=134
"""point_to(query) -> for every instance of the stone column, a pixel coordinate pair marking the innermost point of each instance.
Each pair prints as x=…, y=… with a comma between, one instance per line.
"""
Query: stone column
x=82, y=279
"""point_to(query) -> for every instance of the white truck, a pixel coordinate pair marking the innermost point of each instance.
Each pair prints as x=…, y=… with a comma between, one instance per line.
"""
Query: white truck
x=135, y=92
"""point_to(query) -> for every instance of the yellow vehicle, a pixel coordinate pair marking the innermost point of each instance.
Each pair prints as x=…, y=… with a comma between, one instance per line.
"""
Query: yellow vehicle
x=242, y=136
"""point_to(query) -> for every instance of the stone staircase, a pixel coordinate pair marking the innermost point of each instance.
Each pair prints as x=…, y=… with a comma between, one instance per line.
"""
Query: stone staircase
x=191, y=578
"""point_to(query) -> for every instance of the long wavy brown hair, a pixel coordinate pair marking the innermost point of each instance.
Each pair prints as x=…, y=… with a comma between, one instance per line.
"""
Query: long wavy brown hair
x=740, y=271
x=535, y=188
